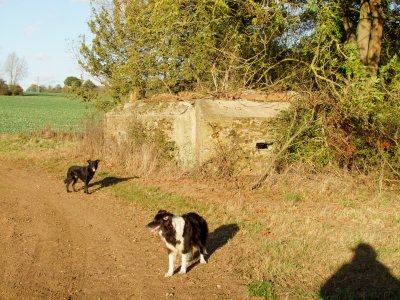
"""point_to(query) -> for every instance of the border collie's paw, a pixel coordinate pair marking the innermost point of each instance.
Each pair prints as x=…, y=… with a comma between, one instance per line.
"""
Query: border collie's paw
x=168, y=274
x=182, y=271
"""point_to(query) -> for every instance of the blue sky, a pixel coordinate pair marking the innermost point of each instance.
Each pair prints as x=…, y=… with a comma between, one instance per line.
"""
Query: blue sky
x=46, y=33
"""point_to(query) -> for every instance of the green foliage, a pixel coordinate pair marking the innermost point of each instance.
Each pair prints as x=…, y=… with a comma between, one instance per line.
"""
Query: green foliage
x=262, y=288
x=357, y=130
x=89, y=85
x=35, y=111
x=4, y=89
x=351, y=115
x=34, y=88
x=351, y=118
x=87, y=93
x=292, y=197
x=16, y=90
x=171, y=46
x=7, y=90
x=72, y=82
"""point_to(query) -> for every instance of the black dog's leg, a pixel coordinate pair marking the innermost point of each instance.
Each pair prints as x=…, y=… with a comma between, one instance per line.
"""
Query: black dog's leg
x=67, y=183
x=73, y=184
x=86, y=186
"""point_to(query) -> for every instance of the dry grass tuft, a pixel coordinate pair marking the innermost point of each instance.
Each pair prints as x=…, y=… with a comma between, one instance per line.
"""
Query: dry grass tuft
x=142, y=158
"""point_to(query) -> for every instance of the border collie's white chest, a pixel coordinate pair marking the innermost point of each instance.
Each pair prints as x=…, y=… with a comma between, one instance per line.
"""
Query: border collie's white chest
x=179, y=225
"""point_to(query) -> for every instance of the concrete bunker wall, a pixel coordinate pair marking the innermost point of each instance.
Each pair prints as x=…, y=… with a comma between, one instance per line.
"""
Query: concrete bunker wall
x=199, y=127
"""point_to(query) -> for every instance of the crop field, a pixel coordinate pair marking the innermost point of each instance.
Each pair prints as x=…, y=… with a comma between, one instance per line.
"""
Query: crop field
x=35, y=111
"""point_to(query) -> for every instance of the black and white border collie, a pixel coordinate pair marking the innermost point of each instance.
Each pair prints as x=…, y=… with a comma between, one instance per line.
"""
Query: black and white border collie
x=84, y=173
x=181, y=235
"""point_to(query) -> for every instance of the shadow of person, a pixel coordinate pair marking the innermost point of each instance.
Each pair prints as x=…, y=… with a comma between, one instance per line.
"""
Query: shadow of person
x=362, y=278
x=108, y=181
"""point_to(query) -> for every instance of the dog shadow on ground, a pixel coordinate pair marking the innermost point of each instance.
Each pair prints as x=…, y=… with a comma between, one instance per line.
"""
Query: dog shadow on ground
x=217, y=239
x=364, y=277
x=108, y=181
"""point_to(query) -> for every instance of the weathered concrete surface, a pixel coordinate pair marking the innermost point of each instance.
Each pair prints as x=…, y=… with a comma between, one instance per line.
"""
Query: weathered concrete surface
x=199, y=127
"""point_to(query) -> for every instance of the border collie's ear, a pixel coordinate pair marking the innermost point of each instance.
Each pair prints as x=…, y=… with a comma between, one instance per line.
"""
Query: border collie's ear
x=166, y=217
x=88, y=161
x=161, y=211
x=97, y=160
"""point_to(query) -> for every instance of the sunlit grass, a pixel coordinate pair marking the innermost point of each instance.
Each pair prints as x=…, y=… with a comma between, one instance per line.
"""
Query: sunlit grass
x=35, y=111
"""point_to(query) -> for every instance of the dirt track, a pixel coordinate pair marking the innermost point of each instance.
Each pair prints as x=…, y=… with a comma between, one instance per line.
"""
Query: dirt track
x=55, y=245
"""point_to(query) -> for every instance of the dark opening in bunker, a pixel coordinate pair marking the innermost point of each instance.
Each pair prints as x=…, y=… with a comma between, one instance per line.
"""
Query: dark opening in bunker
x=263, y=145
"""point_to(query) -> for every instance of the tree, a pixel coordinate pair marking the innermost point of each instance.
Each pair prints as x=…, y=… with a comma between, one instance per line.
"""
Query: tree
x=170, y=46
x=365, y=22
x=350, y=60
x=4, y=89
x=72, y=82
x=16, y=68
x=16, y=90
x=33, y=88
x=373, y=26
x=57, y=89
x=88, y=84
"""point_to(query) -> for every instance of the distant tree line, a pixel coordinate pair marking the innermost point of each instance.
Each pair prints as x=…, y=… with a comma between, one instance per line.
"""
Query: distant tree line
x=34, y=88
x=71, y=85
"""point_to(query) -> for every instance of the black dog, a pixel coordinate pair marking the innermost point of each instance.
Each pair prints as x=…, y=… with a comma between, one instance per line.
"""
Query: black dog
x=83, y=173
x=181, y=234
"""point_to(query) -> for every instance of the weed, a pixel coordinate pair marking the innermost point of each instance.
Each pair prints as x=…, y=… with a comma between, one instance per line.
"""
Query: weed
x=262, y=288
x=346, y=203
x=396, y=220
x=292, y=197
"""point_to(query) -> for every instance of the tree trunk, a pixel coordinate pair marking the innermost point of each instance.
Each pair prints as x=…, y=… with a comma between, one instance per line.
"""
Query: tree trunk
x=348, y=27
x=375, y=43
x=364, y=31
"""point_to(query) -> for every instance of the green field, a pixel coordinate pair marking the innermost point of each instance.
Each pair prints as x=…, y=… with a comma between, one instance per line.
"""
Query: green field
x=35, y=111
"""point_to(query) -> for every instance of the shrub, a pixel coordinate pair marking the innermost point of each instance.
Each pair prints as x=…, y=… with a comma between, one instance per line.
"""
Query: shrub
x=143, y=152
x=4, y=89
x=358, y=130
x=264, y=289
x=16, y=90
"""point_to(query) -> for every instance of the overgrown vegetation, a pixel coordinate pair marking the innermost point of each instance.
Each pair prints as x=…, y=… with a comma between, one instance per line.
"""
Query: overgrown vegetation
x=169, y=46
x=350, y=118
x=343, y=54
x=143, y=152
x=8, y=90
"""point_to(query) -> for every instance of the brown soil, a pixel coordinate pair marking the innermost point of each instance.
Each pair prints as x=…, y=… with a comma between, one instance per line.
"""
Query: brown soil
x=56, y=245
